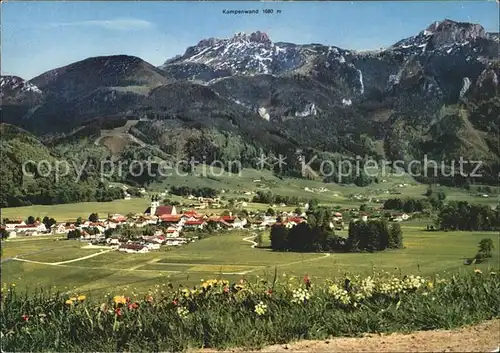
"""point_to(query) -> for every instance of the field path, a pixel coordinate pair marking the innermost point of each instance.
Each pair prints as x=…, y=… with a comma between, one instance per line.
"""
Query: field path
x=250, y=240
x=254, y=244
x=307, y=260
x=83, y=257
x=63, y=262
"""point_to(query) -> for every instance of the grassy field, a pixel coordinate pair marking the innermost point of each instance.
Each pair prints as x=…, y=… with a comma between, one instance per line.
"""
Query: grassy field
x=227, y=256
x=70, y=212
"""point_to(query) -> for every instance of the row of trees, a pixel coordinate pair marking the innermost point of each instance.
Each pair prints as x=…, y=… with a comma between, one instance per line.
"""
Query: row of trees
x=460, y=215
x=374, y=235
x=317, y=235
x=198, y=192
x=434, y=201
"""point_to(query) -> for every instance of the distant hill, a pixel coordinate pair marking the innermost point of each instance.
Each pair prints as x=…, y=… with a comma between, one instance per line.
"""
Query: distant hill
x=432, y=95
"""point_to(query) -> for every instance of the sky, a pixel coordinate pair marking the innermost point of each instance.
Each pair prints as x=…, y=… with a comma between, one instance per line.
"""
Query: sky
x=40, y=36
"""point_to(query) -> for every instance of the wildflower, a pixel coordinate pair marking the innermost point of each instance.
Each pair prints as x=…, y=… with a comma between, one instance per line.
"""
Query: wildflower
x=13, y=284
x=25, y=317
x=261, y=308
x=182, y=311
x=73, y=299
x=69, y=302
x=425, y=294
x=269, y=291
x=493, y=273
x=103, y=307
x=301, y=296
x=367, y=287
x=430, y=285
x=339, y=294
x=149, y=298
x=81, y=298
x=307, y=281
x=478, y=271
x=119, y=299
x=175, y=302
x=226, y=289
x=412, y=282
x=118, y=312
x=133, y=306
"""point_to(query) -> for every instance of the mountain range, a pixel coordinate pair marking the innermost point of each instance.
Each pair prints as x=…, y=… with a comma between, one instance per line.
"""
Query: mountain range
x=433, y=94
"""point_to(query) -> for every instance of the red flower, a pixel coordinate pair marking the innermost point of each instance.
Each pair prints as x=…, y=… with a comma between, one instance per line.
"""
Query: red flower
x=307, y=281
x=174, y=302
x=133, y=306
x=149, y=298
x=118, y=312
x=269, y=291
x=25, y=317
x=226, y=290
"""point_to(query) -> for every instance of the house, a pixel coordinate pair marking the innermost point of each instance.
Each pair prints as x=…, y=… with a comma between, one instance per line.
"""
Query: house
x=170, y=219
x=228, y=219
x=63, y=228
x=11, y=224
x=133, y=248
x=153, y=246
x=195, y=224
x=113, y=241
x=399, y=217
x=192, y=214
x=239, y=223
x=32, y=229
x=172, y=233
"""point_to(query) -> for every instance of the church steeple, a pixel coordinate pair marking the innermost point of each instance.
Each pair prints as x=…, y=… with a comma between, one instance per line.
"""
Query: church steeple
x=155, y=202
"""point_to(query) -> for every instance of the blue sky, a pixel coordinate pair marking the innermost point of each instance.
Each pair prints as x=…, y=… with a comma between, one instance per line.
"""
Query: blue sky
x=39, y=36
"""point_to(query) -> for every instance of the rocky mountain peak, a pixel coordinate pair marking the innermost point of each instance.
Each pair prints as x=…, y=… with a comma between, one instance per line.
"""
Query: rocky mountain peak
x=449, y=32
x=16, y=83
x=259, y=37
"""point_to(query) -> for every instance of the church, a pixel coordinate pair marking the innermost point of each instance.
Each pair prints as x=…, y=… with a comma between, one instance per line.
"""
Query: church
x=156, y=210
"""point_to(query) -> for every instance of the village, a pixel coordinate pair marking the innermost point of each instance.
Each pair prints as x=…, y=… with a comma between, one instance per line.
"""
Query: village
x=165, y=225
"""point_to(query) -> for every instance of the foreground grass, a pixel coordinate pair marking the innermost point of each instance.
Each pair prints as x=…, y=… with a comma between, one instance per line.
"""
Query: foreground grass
x=220, y=315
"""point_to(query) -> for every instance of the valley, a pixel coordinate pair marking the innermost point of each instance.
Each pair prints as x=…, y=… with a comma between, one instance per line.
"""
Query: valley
x=250, y=189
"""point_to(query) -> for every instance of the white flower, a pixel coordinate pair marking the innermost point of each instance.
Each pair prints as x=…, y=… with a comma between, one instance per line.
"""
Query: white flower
x=182, y=311
x=260, y=308
x=300, y=296
x=339, y=294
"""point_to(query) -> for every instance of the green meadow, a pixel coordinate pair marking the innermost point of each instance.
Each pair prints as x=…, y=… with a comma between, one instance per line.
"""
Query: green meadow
x=228, y=256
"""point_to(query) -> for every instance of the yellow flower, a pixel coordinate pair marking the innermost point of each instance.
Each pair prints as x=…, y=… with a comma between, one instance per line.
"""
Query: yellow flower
x=478, y=271
x=81, y=298
x=69, y=302
x=13, y=284
x=493, y=273
x=119, y=299
x=74, y=299
x=430, y=285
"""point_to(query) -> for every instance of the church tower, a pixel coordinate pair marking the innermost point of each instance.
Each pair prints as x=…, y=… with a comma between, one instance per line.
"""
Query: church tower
x=155, y=202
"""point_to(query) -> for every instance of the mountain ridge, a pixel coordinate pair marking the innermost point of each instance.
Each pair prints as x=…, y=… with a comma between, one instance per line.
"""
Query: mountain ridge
x=256, y=95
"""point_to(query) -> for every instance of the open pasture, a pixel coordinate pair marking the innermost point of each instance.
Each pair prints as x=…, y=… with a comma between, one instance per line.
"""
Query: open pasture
x=66, y=266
